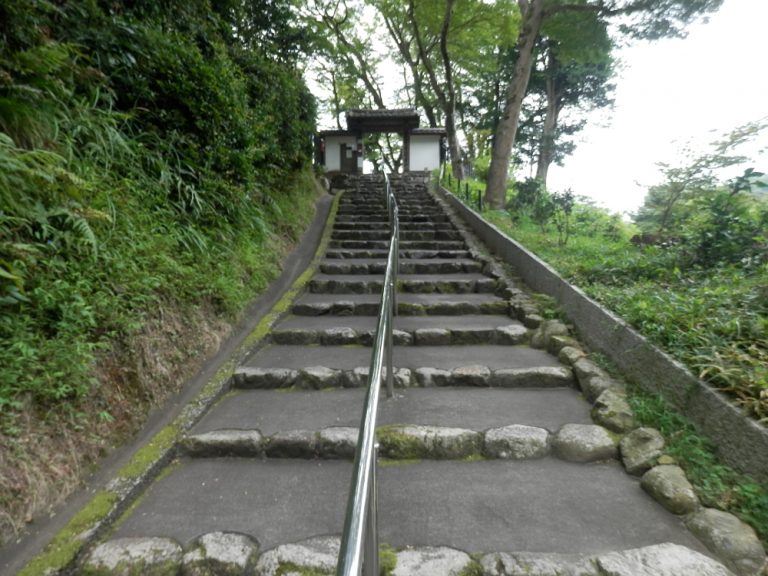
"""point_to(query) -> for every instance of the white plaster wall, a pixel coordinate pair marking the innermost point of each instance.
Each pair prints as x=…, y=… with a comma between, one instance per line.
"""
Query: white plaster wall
x=333, y=150
x=425, y=152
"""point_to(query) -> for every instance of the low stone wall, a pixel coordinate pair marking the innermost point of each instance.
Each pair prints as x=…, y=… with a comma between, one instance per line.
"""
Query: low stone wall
x=741, y=441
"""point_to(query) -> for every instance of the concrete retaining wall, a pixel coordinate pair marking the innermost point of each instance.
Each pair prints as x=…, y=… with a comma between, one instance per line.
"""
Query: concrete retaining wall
x=741, y=441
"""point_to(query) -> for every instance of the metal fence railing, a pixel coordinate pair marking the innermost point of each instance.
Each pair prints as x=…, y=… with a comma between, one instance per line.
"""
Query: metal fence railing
x=359, y=552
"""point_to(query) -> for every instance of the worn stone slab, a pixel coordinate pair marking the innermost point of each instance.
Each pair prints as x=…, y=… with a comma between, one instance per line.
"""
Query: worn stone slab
x=221, y=554
x=433, y=442
x=445, y=357
x=584, y=443
x=539, y=377
x=316, y=555
x=134, y=556
x=516, y=442
x=408, y=304
x=512, y=334
x=405, y=323
x=730, y=539
x=640, y=449
x=338, y=442
x=670, y=487
x=570, y=354
x=593, y=386
x=224, y=442
x=545, y=331
x=660, y=560
x=430, y=561
x=612, y=411
x=292, y=444
x=475, y=375
x=532, y=564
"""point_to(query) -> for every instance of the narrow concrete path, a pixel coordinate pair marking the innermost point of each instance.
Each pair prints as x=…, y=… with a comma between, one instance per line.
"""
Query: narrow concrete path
x=476, y=452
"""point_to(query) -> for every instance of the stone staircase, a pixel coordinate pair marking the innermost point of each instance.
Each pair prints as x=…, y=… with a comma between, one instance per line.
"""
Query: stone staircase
x=490, y=461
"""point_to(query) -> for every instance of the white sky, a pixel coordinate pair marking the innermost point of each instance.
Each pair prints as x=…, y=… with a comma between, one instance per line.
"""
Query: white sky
x=669, y=93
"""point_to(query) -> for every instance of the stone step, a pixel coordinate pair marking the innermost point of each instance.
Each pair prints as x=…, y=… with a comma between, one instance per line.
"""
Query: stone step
x=461, y=283
x=321, y=377
x=408, y=330
x=404, y=245
x=273, y=411
x=537, y=505
x=509, y=441
x=355, y=253
x=407, y=266
x=404, y=219
x=407, y=304
x=404, y=235
x=384, y=225
x=233, y=553
x=447, y=358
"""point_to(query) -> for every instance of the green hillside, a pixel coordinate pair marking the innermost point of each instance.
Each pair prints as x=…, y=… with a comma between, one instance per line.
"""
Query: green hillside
x=153, y=171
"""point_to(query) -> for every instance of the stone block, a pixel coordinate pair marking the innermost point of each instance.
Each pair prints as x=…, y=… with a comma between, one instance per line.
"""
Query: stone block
x=640, y=449
x=612, y=411
x=730, y=539
x=516, y=442
x=669, y=486
x=584, y=443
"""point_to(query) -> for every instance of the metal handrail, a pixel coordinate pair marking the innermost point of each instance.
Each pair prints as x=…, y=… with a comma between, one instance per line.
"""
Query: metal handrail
x=360, y=542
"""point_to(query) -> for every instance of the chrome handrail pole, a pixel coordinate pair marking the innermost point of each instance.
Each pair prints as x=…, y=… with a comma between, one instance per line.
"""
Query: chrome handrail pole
x=396, y=269
x=371, y=552
x=359, y=543
x=390, y=362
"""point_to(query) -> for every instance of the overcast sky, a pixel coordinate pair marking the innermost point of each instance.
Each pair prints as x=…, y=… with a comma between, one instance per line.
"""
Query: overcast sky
x=671, y=92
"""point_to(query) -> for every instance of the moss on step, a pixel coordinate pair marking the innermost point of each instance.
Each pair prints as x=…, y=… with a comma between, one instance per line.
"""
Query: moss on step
x=67, y=543
x=398, y=445
x=387, y=463
x=387, y=559
x=290, y=568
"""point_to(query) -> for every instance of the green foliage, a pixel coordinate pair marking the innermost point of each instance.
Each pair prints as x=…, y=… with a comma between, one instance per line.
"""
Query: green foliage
x=146, y=156
x=717, y=485
x=712, y=319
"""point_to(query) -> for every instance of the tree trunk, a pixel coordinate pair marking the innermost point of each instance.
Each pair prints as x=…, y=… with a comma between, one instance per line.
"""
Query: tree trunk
x=547, y=144
x=533, y=15
x=447, y=101
x=450, y=101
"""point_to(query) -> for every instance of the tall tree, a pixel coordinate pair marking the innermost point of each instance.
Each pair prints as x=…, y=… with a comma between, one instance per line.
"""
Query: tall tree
x=443, y=43
x=647, y=19
x=575, y=69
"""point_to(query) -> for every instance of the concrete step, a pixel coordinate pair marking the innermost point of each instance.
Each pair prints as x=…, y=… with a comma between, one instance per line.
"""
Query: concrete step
x=384, y=225
x=404, y=245
x=508, y=441
x=381, y=211
x=407, y=304
x=536, y=505
x=408, y=330
x=354, y=253
x=404, y=219
x=495, y=357
x=273, y=411
x=460, y=283
x=407, y=266
x=321, y=377
x=403, y=323
x=404, y=235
